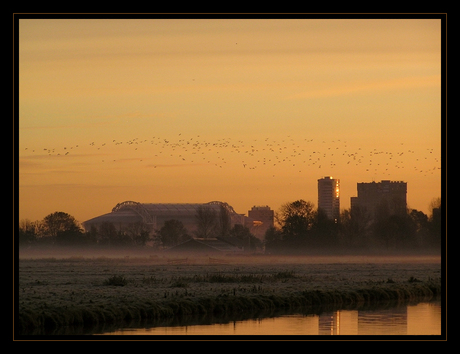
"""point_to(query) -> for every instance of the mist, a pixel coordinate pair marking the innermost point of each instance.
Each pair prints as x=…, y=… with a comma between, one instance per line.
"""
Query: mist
x=150, y=256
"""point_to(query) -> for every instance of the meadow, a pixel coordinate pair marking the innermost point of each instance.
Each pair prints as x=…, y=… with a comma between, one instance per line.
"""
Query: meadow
x=81, y=294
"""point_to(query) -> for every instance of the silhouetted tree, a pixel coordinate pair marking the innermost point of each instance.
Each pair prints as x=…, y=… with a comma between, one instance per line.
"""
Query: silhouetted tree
x=345, y=231
x=420, y=222
x=206, y=222
x=61, y=228
x=296, y=221
x=434, y=204
x=223, y=222
x=171, y=233
x=395, y=231
x=243, y=233
x=354, y=227
x=121, y=239
x=324, y=231
x=435, y=223
x=107, y=233
x=70, y=238
x=28, y=232
x=138, y=233
x=92, y=235
x=273, y=240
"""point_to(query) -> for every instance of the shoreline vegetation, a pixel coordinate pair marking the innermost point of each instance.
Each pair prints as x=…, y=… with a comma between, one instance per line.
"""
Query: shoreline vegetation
x=86, y=295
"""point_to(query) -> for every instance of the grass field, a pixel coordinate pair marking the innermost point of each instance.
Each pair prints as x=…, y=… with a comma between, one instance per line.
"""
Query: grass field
x=58, y=295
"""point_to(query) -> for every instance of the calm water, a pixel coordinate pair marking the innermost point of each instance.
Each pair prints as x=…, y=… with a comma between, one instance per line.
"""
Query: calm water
x=420, y=319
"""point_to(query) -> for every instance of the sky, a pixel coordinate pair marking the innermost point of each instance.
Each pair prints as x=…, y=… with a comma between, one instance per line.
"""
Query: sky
x=244, y=111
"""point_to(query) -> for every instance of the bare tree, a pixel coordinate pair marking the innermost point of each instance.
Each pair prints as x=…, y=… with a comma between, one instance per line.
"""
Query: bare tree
x=172, y=233
x=138, y=233
x=224, y=222
x=434, y=204
x=206, y=222
x=106, y=233
x=28, y=231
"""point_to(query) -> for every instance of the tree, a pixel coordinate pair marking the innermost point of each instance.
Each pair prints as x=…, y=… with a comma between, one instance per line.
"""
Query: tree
x=296, y=220
x=138, y=233
x=346, y=228
x=28, y=232
x=206, y=222
x=92, y=235
x=106, y=233
x=435, y=223
x=420, y=221
x=434, y=204
x=324, y=230
x=172, y=233
x=272, y=235
x=395, y=231
x=273, y=240
x=61, y=228
x=224, y=222
x=243, y=233
x=354, y=227
x=121, y=239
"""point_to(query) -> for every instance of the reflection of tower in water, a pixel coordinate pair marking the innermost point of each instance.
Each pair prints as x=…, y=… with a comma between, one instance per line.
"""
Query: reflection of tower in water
x=338, y=323
x=368, y=322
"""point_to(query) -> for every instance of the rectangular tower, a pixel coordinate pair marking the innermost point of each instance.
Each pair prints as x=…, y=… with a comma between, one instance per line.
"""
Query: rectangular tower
x=329, y=197
x=381, y=199
x=262, y=219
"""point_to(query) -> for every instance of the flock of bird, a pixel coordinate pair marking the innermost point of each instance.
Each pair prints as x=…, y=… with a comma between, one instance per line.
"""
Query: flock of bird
x=299, y=155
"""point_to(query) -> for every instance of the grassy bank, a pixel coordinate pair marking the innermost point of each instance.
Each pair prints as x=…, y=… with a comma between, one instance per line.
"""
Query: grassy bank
x=54, y=294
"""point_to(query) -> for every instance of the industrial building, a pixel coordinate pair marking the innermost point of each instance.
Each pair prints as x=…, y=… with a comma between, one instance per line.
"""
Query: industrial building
x=329, y=197
x=381, y=199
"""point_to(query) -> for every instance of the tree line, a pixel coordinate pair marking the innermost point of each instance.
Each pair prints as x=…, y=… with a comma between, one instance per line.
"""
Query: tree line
x=301, y=227
x=62, y=229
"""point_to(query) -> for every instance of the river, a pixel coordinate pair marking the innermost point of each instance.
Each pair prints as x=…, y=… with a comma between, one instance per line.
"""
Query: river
x=422, y=318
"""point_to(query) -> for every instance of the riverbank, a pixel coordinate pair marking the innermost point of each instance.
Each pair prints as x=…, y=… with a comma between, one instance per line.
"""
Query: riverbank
x=76, y=292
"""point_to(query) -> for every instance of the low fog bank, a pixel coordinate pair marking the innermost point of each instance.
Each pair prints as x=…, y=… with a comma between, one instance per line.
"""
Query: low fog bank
x=85, y=252
x=168, y=257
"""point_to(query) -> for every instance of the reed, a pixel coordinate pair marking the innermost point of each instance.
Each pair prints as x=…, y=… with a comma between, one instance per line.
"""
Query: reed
x=55, y=294
x=29, y=320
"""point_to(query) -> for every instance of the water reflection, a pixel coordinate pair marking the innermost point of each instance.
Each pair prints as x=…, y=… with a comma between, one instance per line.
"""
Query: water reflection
x=418, y=319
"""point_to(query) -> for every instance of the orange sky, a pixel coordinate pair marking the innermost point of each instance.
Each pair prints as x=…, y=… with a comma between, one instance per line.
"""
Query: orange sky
x=250, y=112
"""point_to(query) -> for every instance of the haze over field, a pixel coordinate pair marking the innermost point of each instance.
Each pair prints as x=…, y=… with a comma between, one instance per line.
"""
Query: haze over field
x=245, y=111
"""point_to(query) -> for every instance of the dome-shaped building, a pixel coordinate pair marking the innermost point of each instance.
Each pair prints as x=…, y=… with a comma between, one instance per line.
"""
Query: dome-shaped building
x=154, y=215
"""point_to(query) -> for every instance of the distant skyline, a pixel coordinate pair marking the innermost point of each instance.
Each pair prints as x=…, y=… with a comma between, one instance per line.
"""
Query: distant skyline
x=244, y=111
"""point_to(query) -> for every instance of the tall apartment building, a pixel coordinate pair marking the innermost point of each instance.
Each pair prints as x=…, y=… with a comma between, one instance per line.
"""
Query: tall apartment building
x=263, y=218
x=329, y=197
x=381, y=199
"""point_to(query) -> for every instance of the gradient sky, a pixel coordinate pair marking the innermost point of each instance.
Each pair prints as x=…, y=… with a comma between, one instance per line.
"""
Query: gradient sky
x=250, y=112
